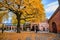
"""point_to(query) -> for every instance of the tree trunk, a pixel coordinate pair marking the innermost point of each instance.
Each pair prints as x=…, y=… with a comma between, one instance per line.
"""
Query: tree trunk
x=18, y=24
x=2, y=28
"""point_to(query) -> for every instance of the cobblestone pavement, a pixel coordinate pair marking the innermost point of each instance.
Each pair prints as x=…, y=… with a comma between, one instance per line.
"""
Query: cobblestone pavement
x=30, y=36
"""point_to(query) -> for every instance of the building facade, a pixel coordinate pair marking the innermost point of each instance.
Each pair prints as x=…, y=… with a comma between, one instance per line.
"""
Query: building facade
x=54, y=21
x=44, y=26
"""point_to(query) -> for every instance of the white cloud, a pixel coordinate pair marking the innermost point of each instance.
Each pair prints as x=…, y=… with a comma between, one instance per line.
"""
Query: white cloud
x=50, y=8
x=53, y=3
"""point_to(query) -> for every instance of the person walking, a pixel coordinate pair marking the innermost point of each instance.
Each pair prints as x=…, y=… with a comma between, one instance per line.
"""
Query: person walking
x=2, y=28
x=36, y=28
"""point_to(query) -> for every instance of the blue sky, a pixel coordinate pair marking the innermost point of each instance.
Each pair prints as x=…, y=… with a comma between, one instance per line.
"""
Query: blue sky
x=50, y=6
x=9, y=20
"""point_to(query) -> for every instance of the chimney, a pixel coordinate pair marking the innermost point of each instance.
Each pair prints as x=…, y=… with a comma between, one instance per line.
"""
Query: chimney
x=59, y=2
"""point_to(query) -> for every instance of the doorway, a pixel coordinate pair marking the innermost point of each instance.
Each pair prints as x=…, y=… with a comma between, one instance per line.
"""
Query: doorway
x=54, y=27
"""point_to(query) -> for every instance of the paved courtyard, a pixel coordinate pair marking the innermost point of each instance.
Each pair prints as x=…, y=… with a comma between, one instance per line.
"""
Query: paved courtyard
x=29, y=36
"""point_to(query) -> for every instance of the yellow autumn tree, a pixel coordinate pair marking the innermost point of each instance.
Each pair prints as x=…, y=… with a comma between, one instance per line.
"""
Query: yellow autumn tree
x=32, y=7
x=3, y=15
x=27, y=10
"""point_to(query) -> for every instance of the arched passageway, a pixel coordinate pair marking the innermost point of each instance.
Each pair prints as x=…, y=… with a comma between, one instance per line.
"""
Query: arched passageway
x=54, y=27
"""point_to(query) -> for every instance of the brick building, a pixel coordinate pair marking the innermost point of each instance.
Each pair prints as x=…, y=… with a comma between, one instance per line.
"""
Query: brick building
x=54, y=21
